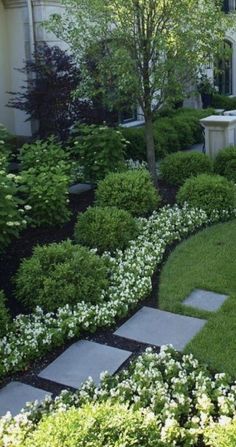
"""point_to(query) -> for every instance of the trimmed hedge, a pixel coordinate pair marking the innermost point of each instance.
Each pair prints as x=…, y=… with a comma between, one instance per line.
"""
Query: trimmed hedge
x=172, y=133
x=96, y=425
x=132, y=191
x=208, y=192
x=106, y=228
x=223, y=102
x=225, y=163
x=4, y=315
x=60, y=274
x=136, y=148
x=176, y=168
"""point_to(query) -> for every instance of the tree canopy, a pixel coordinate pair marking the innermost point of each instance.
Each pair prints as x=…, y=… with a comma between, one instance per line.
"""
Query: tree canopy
x=150, y=48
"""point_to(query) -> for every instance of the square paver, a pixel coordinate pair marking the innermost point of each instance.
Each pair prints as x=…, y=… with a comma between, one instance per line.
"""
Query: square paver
x=82, y=360
x=158, y=328
x=15, y=395
x=205, y=300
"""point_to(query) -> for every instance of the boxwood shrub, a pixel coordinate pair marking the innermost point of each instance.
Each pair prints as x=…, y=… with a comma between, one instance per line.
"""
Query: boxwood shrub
x=184, y=131
x=166, y=137
x=176, y=168
x=4, y=315
x=221, y=435
x=173, y=131
x=59, y=274
x=131, y=190
x=96, y=425
x=223, y=102
x=192, y=118
x=225, y=163
x=208, y=192
x=106, y=228
x=136, y=148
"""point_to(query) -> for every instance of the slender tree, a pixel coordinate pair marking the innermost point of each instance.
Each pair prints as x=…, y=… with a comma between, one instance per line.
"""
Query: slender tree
x=151, y=49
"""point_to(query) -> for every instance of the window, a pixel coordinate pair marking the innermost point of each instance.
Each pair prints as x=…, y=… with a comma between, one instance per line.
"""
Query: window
x=223, y=71
x=128, y=114
x=229, y=5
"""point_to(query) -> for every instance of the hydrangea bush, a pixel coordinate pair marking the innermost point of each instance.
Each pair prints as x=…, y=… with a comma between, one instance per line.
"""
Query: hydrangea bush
x=130, y=281
x=184, y=399
x=45, y=190
x=12, y=212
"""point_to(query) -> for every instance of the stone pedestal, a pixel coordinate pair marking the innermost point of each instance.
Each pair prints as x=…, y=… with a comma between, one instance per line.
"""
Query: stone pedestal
x=220, y=132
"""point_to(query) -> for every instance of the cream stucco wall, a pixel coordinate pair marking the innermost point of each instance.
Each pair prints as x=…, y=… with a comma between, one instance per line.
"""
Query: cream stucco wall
x=14, y=49
x=6, y=115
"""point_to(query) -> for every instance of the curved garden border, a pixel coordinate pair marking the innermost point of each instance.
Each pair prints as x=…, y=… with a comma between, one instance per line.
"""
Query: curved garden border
x=33, y=335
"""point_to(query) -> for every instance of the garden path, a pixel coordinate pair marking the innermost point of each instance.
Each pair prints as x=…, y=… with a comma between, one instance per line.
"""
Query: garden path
x=83, y=359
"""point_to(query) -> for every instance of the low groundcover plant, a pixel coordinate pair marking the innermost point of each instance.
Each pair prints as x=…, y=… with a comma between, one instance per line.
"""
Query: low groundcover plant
x=183, y=399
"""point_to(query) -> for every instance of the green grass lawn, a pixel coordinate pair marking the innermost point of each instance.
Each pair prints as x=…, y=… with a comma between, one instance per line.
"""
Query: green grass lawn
x=207, y=261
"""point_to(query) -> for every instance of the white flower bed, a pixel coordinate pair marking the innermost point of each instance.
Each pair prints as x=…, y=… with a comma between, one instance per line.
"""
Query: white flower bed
x=33, y=335
x=184, y=398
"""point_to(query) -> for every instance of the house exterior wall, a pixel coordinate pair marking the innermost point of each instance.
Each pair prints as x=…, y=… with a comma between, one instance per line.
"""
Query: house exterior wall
x=6, y=115
x=15, y=49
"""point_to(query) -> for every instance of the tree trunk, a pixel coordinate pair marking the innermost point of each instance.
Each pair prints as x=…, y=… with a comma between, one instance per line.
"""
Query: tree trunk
x=150, y=146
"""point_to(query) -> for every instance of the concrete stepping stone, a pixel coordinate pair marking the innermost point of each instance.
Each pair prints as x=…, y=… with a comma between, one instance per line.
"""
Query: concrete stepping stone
x=82, y=360
x=15, y=395
x=158, y=328
x=205, y=300
x=79, y=188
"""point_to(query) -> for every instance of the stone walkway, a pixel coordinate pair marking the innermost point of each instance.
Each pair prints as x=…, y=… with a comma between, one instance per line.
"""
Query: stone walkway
x=83, y=359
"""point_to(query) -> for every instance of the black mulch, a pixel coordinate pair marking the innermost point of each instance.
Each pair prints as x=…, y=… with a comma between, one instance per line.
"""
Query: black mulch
x=22, y=247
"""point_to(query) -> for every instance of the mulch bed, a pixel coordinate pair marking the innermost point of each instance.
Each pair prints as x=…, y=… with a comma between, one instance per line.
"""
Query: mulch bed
x=22, y=248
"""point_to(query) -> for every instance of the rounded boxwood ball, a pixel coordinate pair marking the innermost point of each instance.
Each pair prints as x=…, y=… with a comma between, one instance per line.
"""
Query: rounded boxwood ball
x=132, y=191
x=60, y=274
x=208, y=192
x=225, y=163
x=105, y=228
x=96, y=425
x=177, y=167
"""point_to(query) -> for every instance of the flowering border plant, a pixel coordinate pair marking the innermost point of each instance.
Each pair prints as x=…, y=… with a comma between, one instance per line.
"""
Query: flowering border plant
x=30, y=336
x=183, y=397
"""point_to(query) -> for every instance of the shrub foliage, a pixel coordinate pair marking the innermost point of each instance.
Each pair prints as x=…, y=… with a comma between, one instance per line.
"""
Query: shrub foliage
x=106, y=228
x=60, y=274
x=46, y=191
x=12, y=212
x=208, y=192
x=222, y=435
x=96, y=425
x=4, y=315
x=48, y=95
x=225, y=163
x=99, y=149
x=132, y=191
x=47, y=153
x=176, y=168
